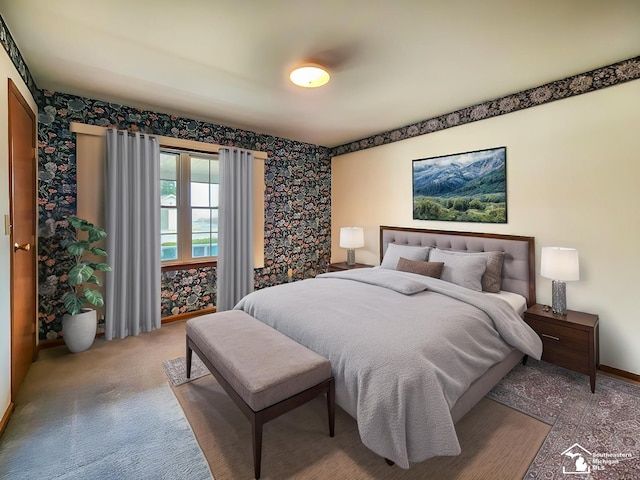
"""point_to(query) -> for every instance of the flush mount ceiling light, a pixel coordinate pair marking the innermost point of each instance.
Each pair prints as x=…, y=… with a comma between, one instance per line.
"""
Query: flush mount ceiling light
x=309, y=75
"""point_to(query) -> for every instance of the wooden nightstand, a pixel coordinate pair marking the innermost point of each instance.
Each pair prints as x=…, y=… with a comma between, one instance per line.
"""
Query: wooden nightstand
x=570, y=341
x=340, y=266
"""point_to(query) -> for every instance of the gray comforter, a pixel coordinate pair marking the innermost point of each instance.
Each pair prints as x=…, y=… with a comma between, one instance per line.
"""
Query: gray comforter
x=403, y=349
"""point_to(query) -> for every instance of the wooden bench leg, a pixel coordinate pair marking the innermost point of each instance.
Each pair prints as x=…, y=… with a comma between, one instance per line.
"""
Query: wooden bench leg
x=189, y=354
x=256, y=423
x=331, y=407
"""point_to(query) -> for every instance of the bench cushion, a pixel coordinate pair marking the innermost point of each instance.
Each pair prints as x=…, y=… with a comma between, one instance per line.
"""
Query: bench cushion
x=262, y=365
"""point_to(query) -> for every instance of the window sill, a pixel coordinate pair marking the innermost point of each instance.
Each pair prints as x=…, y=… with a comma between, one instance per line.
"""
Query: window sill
x=168, y=266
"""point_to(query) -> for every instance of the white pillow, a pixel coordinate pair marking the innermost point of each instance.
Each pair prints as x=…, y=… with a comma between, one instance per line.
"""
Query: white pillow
x=410, y=252
x=463, y=270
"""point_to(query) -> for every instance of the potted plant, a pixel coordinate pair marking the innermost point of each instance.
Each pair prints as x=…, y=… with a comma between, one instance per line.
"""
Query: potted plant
x=79, y=324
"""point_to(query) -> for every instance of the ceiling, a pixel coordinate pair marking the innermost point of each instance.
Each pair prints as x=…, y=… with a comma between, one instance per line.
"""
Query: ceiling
x=393, y=62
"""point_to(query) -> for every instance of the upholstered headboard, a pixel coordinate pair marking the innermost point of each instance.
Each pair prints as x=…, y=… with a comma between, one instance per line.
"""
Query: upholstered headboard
x=518, y=269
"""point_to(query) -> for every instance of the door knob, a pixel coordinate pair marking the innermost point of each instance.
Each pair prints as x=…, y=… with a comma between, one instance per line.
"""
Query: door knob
x=26, y=247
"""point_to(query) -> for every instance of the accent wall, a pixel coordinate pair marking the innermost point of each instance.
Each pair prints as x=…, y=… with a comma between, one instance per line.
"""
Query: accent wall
x=297, y=201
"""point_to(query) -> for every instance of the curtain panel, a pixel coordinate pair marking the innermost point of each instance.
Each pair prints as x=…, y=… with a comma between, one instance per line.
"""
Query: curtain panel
x=235, y=227
x=132, y=300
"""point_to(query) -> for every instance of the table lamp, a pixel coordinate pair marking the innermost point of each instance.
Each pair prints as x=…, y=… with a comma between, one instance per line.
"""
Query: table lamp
x=351, y=238
x=560, y=265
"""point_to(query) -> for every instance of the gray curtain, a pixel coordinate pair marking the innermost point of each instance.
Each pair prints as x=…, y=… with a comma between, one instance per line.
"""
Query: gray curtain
x=235, y=228
x=132, y=289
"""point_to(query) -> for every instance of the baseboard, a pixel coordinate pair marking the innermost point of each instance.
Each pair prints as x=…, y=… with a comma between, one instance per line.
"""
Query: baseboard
x=188, y=315
x=172, y=318
x=620, y=373
x=5, y=417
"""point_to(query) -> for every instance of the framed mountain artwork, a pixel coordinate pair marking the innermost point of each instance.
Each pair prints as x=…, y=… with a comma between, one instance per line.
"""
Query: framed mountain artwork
x=464, y=187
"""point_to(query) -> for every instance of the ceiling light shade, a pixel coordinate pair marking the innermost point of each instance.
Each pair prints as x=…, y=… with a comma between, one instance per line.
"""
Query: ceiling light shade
x=309, y=76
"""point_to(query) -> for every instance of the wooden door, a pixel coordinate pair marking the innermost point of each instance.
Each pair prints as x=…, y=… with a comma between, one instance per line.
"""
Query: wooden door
x=22, y=209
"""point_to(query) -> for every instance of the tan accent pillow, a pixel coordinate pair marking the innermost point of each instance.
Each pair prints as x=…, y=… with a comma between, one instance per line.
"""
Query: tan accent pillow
x=395, y=251
x=428, y=269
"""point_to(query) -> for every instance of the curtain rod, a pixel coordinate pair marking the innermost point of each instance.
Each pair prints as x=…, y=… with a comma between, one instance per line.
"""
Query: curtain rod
x=98, y=131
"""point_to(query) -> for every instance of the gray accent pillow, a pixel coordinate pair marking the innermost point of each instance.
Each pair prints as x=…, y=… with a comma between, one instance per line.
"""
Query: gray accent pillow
x=410, y=252
x=463, y=270
x=492, y=277
x=428, y=269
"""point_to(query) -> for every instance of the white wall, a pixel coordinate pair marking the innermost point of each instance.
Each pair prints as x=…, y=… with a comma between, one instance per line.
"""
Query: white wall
x=573, y=176
x=7, y=70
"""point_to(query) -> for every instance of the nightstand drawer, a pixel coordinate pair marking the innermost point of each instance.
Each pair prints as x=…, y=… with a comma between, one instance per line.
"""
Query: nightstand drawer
x=563, y=346
x=570, y=341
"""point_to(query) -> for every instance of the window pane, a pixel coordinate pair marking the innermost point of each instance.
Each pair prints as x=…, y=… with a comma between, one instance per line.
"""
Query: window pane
x=168, y=192
x=200, y=220
x=204, y=171
x=169, y=166
x=201, y=245
x=168, y=247
x=168, y=198
x=214, y=220
x=199, y=194
x=214, y=190
x=168, y=220
x=200, y=169
x=214, y=171
x=214, y=244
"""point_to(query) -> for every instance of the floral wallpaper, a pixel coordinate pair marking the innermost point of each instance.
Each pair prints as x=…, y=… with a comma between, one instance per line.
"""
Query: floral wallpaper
x=16, y=58
x=297, y=201
x=568, y=87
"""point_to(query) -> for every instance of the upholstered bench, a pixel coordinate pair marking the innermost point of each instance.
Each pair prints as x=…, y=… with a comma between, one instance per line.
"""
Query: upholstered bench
x=265, y=372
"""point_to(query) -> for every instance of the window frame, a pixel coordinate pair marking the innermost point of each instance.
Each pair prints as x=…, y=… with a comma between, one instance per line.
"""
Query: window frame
x=184, y=232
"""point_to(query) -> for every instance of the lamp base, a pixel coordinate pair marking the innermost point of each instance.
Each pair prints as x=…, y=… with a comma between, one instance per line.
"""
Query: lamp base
x=351, y=256
x=559, y=297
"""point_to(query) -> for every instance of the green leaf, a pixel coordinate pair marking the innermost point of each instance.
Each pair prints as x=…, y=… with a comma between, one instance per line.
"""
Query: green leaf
x=79, y=273
x=75, y=222
x=93, y=279
x=101, y=267
x=94, y=297
x=78, y=248
x=96, y=234
x=98, y=251
x=72, y=303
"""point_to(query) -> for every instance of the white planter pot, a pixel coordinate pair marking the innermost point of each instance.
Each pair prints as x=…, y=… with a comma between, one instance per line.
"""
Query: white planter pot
x=79, y=331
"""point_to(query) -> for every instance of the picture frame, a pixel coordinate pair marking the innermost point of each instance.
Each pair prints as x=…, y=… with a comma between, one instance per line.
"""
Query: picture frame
x=461, y=187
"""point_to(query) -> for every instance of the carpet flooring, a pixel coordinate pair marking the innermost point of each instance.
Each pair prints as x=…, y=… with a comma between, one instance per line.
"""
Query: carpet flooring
x=105, y=413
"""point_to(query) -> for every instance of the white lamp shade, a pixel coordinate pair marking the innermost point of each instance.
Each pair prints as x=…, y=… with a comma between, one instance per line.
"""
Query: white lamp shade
x=558, y=263
x=351, y=237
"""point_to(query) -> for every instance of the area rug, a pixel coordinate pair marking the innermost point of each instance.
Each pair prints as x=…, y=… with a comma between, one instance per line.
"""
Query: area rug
x=498, y=443
x=115, y=434
x=598, y=432
x=177, y=373
x=594, y=435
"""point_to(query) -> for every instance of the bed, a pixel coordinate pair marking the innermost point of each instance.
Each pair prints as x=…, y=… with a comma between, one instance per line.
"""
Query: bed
x=411, y=353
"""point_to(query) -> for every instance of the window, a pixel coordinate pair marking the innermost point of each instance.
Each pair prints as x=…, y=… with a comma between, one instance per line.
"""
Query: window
x=189, y=187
